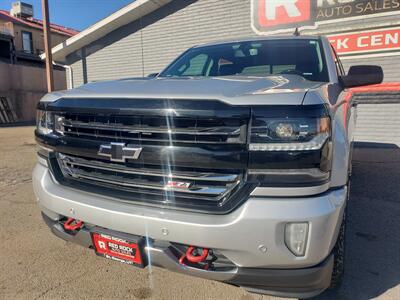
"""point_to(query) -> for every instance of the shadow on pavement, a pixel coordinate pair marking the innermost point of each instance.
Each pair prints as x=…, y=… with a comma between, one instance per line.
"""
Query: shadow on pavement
x=372, y=259
x=18, y=124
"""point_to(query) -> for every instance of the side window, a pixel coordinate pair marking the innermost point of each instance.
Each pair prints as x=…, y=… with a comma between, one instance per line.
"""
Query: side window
x=319, y=56
x=341, y=66
x=338, y=63
x=197, y=66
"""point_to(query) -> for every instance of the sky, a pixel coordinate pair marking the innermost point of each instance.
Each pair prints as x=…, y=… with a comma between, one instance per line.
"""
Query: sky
x=76, y=14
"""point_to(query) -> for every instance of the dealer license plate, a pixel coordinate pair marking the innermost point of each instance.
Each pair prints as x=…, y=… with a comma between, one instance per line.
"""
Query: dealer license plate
x=119, y=248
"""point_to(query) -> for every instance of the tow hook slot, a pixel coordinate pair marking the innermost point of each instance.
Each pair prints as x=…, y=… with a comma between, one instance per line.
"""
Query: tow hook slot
x=201, y=258
x=72, y=224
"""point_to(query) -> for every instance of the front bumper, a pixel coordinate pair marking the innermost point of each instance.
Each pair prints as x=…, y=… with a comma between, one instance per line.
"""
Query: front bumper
x=238, y=235
x=302, y=283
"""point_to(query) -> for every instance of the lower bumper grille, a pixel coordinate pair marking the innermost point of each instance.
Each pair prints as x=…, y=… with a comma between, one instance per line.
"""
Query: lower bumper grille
x=177, y=188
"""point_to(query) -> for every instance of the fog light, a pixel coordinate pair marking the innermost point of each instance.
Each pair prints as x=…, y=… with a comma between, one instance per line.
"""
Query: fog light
x=296, y=238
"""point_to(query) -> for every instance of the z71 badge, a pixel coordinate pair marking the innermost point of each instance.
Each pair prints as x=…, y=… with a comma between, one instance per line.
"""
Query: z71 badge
x=177, y=185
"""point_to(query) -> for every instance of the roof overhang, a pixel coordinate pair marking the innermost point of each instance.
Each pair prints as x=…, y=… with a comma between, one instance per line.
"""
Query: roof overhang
x=125, y=15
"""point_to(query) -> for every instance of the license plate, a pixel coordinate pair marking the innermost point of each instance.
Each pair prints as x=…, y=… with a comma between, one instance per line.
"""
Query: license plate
x=128, y=250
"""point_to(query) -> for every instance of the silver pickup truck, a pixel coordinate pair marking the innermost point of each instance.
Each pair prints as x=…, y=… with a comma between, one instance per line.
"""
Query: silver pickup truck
x=232, y=164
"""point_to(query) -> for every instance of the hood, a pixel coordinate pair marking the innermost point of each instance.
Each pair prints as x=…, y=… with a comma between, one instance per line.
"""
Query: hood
x=233, y=90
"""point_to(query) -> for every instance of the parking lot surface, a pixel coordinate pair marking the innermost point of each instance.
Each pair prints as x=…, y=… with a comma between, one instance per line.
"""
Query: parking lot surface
x=34, y=264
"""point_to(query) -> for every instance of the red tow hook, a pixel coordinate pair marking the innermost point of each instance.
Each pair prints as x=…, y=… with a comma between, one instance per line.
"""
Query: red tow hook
x=194, y=258
x=68, y=225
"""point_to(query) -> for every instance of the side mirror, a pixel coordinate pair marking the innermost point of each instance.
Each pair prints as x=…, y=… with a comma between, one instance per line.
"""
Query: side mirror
x=362, y=75
x=152, y=75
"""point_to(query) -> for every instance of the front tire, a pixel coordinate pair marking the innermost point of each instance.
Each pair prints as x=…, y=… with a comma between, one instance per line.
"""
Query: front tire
x=339, y=250
x=338, y=257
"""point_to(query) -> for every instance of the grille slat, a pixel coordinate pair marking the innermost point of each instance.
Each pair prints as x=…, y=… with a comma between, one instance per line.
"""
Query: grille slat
x=116, y=137
x=233, y=131
x=202, y=186
x=158, y=130
x=198, y=176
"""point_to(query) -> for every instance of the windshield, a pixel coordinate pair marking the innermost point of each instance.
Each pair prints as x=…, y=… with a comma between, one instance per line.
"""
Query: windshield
x=302, y=57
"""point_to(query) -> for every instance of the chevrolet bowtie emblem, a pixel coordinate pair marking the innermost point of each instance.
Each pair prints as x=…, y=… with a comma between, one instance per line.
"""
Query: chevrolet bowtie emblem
x=119, y=152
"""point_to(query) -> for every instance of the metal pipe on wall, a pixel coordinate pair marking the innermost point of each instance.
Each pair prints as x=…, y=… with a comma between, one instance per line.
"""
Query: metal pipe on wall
x=70, y=74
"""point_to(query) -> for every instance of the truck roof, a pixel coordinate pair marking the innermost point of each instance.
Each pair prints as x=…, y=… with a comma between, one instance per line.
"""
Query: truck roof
x=262, y=38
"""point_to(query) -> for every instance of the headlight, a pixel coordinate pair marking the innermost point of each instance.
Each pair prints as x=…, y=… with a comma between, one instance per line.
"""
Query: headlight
x=44, y=122
x=290, y=146
x=48, y=122
x=291, y=134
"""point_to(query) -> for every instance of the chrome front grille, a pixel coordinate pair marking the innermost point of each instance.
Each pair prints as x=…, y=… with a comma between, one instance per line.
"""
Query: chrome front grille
x=171, y=185
x=151, y=129
x=193, y=153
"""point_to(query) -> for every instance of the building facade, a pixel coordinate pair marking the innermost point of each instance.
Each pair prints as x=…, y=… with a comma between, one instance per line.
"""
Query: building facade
x=148, y=35
x=22, y=72
x=23, y=35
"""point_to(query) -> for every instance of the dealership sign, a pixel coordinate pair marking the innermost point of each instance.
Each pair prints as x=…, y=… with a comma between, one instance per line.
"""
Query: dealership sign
x=381, y=40
x=277, y=16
